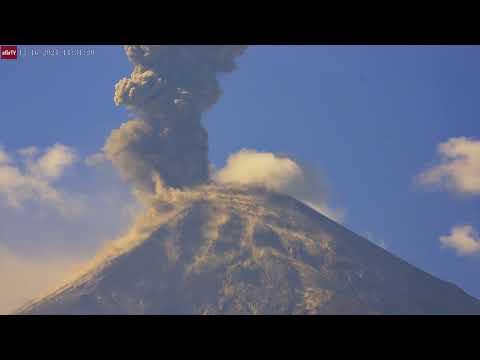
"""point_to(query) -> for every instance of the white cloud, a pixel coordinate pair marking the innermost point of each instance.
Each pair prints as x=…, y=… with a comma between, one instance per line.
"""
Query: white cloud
x=18, y=188
x=33, y=183
x=278, y=173
x=463, y=239
x=249, y=167
x=459, y=171
x=459, y=167
x=52, y=164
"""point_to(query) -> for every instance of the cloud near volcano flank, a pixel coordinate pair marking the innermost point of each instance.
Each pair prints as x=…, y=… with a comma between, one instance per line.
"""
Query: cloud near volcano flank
x=169, y=89
x=247, y=168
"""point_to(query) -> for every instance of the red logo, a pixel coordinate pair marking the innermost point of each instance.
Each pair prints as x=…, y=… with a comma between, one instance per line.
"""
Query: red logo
x=8, y=52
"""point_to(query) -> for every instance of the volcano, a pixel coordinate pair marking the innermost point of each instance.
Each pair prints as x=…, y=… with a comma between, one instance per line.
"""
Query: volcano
x=218, y=250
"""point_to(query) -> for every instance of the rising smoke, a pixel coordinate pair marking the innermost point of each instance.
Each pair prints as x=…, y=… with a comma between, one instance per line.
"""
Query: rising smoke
x=169, y=89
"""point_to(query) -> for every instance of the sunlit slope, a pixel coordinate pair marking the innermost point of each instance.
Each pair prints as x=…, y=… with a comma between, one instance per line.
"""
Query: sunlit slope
x=223, y=251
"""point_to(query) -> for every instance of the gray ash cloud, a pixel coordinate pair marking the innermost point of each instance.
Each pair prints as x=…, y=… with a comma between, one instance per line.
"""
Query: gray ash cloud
x=169, y=89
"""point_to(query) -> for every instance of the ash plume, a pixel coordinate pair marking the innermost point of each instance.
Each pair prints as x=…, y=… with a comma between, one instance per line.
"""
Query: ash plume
x=169, y=89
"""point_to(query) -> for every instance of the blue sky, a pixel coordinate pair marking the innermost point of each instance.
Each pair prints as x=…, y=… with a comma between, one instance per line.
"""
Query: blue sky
x=369, y=118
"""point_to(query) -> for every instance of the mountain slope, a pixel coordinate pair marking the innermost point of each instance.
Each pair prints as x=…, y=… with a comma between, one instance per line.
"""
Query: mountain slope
x=224, y=251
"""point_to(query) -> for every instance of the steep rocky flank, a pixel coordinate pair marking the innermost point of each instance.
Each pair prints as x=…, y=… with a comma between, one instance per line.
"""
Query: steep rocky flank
x=223, y=251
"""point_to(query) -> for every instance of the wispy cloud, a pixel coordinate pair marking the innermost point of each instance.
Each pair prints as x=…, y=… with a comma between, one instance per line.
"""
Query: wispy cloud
x=23, y=277
x=28, y=152
x=32, y=178
x=53, y=163
x=324, y=208
x=64, y=226
x=95, y=159
x=374, y=239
